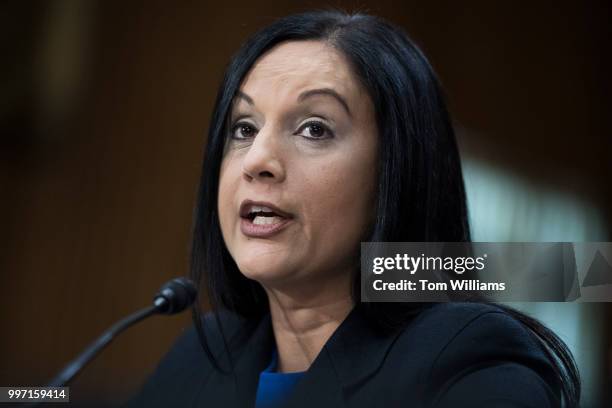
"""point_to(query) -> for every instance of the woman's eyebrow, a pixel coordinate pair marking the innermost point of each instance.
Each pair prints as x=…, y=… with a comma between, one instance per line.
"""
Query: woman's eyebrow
x=247, y=98
x=304, y=95
x=325, y=91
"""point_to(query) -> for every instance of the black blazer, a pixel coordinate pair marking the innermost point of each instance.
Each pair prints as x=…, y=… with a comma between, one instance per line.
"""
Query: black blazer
x=450, y=355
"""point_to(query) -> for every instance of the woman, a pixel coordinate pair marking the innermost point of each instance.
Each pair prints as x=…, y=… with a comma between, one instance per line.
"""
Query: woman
x=330, y=129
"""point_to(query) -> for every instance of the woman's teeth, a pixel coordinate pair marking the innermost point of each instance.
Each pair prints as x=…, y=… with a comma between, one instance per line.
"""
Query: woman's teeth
x=261, y=220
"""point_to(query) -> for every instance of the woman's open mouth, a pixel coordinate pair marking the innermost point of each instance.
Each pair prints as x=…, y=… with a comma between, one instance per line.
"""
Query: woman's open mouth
x=262, y=220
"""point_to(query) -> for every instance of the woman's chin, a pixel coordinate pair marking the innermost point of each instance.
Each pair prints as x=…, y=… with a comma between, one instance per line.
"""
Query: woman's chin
x=267, y=272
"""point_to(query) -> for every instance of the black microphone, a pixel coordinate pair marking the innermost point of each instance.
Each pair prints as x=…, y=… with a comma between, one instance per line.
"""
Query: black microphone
x=173, y=297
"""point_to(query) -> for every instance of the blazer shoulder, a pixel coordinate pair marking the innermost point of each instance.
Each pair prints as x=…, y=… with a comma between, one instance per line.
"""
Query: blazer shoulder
x=444, y=321
x=186, y=366
x=477, y=350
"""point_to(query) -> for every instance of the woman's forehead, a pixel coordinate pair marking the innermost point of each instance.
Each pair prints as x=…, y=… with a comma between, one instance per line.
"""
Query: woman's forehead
x=294, y=67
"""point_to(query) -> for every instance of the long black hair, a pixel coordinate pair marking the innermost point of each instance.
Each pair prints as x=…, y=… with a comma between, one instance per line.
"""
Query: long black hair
x=420, y=190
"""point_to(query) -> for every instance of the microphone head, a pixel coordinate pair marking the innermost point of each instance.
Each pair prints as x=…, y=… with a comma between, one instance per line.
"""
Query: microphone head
x=175, y=296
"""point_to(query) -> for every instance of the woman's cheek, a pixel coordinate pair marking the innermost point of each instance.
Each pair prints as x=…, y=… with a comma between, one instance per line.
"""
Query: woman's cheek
x=337, y=203
x=225, y=204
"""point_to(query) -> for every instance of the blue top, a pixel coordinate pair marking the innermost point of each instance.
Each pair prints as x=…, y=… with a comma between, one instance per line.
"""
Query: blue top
x=274, y=388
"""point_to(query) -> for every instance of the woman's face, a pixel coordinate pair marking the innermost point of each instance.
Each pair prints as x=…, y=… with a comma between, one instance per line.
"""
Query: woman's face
x=297, y=183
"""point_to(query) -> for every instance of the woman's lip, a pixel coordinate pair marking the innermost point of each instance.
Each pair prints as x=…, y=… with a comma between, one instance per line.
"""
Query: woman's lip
x=262, y=231
x=244, y=207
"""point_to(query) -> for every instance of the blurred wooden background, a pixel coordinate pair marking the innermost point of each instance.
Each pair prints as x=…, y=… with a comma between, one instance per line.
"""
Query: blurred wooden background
x=103, y=113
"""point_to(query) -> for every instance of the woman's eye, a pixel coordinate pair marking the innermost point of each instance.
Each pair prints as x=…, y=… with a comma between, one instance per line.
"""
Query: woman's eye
x=315, y=130
x=243, y=131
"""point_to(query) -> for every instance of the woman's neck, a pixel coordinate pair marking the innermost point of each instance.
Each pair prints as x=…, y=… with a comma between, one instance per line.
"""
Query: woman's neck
x=301, y=329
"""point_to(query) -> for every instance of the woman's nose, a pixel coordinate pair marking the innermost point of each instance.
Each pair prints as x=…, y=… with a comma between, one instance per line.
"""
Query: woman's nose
x=263, y=161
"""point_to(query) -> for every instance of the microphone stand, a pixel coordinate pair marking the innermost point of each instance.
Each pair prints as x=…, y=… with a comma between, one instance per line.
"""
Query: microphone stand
x=174, y=297
x=76, y=365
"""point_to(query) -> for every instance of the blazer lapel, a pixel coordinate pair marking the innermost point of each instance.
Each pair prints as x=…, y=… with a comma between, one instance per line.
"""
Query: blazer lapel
x=251, y=347
x=254, y=357
x=320, y=386
x=352, y=354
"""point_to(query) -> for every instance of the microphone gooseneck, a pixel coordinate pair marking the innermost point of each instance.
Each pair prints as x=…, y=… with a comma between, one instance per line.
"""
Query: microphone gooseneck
x=173, y=297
